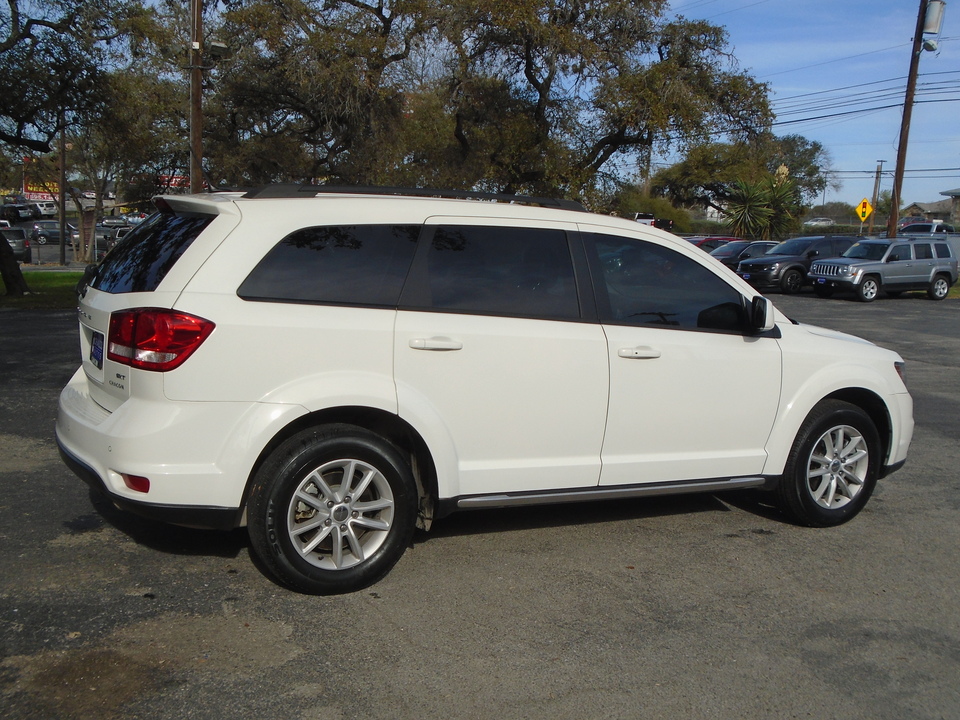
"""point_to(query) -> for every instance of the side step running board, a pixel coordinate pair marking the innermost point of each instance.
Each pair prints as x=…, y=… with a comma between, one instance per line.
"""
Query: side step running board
x=607, y=493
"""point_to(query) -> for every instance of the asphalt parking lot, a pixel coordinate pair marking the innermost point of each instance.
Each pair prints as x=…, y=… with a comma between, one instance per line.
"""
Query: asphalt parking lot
x=690, y=607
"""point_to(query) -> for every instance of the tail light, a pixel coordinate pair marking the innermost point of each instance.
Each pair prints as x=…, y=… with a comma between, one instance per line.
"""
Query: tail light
x=154, y=338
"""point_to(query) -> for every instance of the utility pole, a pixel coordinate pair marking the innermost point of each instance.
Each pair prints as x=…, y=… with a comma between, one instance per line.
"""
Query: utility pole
x=196, y=96
x=918, y=47
x=876, y=194
x=62, y=190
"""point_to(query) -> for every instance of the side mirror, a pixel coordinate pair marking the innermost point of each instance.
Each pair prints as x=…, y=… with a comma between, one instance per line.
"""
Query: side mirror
x=761, y=315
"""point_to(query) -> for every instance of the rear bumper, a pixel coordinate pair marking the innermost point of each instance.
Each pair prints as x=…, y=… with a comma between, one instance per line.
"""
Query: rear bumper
x=197, y=456
x=213, y=518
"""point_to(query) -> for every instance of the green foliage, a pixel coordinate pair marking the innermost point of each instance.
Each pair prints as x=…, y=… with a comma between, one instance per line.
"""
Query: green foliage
x=709, y=172
x=765, y=210
x=630, y=201
x=533, y=96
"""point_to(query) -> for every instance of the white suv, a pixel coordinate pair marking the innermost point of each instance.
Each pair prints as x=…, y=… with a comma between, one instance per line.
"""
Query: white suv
x=334, y=367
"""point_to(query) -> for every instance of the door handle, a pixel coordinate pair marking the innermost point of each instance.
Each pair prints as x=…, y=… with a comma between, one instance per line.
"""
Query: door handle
x=435, y=343
x=642, y=352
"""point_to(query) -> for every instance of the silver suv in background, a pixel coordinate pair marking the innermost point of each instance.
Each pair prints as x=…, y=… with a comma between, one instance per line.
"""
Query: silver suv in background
x=893, y=266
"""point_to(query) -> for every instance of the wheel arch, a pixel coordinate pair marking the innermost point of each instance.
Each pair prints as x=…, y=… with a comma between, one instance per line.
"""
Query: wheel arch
x=864, y=398
x=387, y=425
x=874, y=406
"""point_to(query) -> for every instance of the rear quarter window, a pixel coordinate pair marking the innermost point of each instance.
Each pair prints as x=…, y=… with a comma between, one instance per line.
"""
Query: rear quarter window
x=341, y=265
x=943, y=250
x=144, y=257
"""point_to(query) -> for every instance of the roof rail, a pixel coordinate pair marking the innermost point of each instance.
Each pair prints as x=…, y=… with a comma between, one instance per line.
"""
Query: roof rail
x=291, y=190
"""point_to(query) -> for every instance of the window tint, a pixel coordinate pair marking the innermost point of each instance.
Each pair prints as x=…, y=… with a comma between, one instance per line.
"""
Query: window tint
x=943, y=251
x=524, y=272
x=647, y=284
x=898, y=253
x=349, y=265
x=922, y=251
x=143, y=258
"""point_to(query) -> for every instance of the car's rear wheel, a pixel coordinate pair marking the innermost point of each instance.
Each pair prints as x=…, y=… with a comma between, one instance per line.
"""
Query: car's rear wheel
x=832, y=468
x=939, y=288
x=332, y=509
x=868, y=289
x=41, y=240
x=791, y=282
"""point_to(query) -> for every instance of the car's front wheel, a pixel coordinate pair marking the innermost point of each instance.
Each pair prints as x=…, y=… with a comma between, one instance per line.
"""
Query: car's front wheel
x=332, y=509
x=939, y=288
x=791, y=282
x=832, y=468
x=868, y=289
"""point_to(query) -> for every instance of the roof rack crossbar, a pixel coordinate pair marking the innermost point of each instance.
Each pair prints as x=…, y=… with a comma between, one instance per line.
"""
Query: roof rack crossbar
x=292, y=190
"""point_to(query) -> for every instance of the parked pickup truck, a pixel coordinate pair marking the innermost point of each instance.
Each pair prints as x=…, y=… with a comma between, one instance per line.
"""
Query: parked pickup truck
x=890, y=265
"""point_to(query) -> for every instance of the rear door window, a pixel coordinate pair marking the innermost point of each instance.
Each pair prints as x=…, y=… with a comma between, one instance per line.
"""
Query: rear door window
x=144, y=257
x=510, y=271
x=922, y=251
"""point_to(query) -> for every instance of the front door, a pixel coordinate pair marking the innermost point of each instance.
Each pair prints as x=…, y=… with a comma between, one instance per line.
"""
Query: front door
x=692, y=394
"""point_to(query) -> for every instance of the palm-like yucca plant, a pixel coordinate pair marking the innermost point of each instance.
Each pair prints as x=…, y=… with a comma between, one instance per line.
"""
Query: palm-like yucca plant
x=767, y=209
x=748, y=209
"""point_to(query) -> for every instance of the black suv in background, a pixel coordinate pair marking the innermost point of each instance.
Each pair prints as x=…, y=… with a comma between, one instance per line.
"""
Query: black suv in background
x=785, y=266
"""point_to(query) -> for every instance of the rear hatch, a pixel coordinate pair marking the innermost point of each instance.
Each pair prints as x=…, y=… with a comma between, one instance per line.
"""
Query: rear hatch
x=148, y=268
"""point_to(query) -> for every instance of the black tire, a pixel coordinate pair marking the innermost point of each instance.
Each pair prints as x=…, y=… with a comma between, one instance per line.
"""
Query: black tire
x=868, y=289
x=939, y=288
x=791, y=282
x=41, y=240
x=832, y=468
x=823, y=291
x=342, y=541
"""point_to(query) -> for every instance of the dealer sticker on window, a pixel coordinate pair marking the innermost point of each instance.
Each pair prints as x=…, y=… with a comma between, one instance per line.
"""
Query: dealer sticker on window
x=96, y=350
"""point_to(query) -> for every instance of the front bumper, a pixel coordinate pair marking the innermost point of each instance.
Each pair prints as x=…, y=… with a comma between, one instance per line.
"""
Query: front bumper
x=761, y=278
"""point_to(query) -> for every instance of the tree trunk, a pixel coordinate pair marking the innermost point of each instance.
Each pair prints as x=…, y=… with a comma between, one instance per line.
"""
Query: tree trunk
x=10, y=271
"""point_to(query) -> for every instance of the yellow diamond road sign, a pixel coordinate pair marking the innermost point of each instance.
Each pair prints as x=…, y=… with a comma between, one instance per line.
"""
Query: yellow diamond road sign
x=864, y=209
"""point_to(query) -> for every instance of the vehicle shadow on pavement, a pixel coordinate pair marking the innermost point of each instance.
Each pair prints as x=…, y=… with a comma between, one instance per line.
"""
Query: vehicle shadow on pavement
x=498, y=520
x=163, y=537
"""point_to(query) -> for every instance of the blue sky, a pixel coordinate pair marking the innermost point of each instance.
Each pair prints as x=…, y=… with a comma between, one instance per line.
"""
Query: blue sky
x=825, y=57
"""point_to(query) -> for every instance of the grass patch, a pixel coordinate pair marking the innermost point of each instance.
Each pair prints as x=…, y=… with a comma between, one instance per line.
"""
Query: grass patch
x=49, y=290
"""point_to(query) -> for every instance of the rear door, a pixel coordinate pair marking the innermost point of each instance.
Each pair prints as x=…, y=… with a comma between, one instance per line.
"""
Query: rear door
x=496, y=361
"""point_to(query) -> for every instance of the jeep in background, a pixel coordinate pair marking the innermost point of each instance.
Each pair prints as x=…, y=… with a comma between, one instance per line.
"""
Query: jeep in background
x=893, y=266
x=785, y=266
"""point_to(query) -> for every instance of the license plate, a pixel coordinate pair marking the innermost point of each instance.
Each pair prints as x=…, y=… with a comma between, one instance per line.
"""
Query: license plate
x=821, y=281
x=746, y=276
x=96, y=350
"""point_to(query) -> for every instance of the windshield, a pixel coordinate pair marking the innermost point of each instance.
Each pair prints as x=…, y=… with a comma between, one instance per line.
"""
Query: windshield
x=797, y=246
x=731, y=248
x=866, y=251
